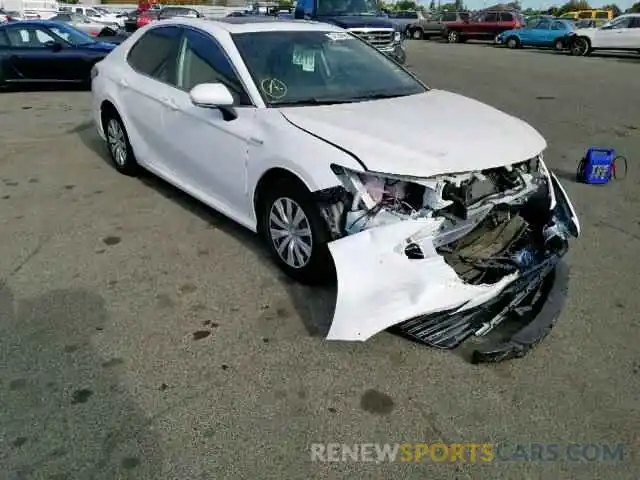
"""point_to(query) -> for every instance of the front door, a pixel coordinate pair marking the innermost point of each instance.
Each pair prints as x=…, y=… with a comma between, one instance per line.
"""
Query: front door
x=30, y=54
x=209, y=149
x=615, y=35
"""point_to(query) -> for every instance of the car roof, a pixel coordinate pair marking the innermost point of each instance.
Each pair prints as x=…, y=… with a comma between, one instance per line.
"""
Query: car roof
x=34, y=23
x=251, y=24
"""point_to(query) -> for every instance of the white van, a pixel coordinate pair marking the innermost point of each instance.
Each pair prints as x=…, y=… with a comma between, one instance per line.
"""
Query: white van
x=93, y=14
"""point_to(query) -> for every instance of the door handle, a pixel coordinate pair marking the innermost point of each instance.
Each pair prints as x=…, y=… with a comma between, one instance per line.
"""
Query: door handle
x=169, y=103
x=124, y=83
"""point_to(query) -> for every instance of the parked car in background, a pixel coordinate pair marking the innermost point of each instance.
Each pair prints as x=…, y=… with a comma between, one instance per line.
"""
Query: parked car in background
x=589, y=14
x=621, y=34
x=171, y=12
x=13, y=16
x=546, y=33
x=485, y=25
x=37, y=51
x=402, y=19
x=93, y=14
x=146, y=17
x=434, y=26
x=83, y=23
x=590, y=23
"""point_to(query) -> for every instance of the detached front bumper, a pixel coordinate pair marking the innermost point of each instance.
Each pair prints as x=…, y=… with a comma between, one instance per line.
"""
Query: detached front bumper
x=528, y=310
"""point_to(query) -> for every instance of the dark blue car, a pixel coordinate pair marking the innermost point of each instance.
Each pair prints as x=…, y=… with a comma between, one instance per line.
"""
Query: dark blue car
x=546, y=32
x=41, y=51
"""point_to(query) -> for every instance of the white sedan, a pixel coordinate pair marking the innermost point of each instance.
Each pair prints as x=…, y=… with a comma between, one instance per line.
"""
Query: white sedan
x=621, y=34
x=436, y=212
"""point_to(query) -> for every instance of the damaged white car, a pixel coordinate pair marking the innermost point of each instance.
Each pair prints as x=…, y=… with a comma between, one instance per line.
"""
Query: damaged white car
x=436, y=212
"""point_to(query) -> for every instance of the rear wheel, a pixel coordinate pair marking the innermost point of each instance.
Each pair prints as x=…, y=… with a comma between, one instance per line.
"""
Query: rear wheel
x=453, y=37
x=295, y=232
x=580, y=47
x=513, y=42
x=118, y=144
x=558, y=45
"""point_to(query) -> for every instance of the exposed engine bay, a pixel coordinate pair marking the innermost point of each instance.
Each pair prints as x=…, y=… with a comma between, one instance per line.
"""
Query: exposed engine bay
x=473, y=234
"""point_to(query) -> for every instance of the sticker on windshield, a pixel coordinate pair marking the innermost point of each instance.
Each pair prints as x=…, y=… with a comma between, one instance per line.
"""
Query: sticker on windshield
x=305, y=58
x=274, y=88
x=335, y=36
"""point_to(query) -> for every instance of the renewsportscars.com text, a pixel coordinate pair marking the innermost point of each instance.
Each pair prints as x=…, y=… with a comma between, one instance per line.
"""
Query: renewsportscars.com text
x=467, y=452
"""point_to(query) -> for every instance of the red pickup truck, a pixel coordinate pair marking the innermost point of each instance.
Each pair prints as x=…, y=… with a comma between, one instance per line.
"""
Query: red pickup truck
x=483, y=26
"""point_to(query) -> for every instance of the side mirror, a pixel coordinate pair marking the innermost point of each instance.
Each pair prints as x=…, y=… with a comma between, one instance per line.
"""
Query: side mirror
x=214, y=95
x=55, y=46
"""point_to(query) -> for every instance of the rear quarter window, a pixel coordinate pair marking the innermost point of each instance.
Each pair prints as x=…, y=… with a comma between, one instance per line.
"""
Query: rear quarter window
x=506, y=17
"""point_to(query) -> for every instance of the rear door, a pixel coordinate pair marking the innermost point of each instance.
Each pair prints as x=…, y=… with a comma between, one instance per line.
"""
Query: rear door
x=144, y=89
x=490, y=25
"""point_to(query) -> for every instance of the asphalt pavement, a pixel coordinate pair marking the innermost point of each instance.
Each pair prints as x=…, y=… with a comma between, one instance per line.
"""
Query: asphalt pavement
x=144, y=336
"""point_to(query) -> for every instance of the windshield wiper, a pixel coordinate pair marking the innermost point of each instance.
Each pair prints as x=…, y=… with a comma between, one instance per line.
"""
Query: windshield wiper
x=376, y=96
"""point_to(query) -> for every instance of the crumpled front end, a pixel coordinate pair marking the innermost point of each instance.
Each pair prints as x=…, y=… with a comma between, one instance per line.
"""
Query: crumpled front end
x=447, y=258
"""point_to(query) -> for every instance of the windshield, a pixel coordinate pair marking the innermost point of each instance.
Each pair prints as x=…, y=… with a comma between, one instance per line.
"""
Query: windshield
x=71, y=35
x=315, y=67
x=348, y=7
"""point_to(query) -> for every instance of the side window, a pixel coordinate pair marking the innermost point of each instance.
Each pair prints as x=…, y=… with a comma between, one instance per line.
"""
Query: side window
x=635, y=22
x=92, y=13
x=154, y=54
x=449, y=17
x=491, y=17
x=4, y=41
x=413, y=15
x=557, y=26
x=506, y=17
x=621, y=23
x=202, y=60
x=585, y=15
x=602, y=15
x=28, y=37
x=543, y=25
x=79, y=10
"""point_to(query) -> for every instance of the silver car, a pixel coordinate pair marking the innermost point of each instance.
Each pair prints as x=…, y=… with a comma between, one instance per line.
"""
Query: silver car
x=83, y=23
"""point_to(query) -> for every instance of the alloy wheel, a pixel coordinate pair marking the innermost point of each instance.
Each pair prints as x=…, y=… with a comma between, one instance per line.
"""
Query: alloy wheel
x=512, y=43
x=290, y=232
x=580, y=47
x=417, y=34
x=117, y=142
x=453, y=37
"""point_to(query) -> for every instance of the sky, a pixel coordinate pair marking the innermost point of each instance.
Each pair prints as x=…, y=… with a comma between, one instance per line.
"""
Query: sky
x=536, y=4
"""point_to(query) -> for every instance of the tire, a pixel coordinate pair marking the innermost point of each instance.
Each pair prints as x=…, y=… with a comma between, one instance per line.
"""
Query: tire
x=496, y=39
x=453, y=36
x=417, y=34
x=303, y=256
x=512, y=42
x=118, y=144
x=580, y=47
x=558, y=45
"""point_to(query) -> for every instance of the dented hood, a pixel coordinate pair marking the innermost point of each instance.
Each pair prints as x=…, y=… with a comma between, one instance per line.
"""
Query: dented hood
x=422, y=135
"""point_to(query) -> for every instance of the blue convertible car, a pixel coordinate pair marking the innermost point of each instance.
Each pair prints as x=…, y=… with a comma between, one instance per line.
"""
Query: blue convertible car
x=545, y=33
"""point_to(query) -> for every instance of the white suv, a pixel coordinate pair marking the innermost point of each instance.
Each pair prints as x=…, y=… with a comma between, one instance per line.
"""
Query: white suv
x=622, y=33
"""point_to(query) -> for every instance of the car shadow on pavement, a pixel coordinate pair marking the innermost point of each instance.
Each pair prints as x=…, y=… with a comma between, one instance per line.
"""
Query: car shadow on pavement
x=314, y=305
x=65, y=412
x=44, y=87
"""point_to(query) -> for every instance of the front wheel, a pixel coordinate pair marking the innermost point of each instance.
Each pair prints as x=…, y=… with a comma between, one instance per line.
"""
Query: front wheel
x=580, y=47
x=295, y=232
x=417, y=34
